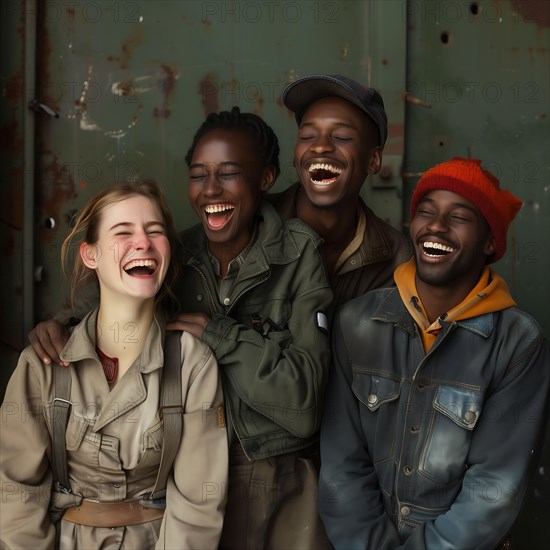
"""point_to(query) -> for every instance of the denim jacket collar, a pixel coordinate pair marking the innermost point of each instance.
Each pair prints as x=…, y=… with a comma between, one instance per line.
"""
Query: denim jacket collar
x=392, y=310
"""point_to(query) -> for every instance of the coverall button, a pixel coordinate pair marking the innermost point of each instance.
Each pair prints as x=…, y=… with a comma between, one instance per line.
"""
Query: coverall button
x=470, y=417
x=353, y=262
x=372, y=399
x=116, y=485
x=405, y=511
x=226, y=301
x=199, y=297
x=407, y=470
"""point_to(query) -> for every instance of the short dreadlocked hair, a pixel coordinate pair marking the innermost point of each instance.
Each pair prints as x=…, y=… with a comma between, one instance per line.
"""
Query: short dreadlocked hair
x=249, y=124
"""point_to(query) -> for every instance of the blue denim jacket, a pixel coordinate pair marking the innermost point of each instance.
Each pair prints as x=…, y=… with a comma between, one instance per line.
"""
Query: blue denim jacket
x=429, y=450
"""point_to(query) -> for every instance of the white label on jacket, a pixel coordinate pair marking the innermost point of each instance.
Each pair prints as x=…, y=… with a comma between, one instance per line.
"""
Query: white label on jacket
x=322, y=321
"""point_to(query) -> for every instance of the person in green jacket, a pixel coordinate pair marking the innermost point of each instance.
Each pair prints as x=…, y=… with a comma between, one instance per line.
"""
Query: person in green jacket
x=254, y=289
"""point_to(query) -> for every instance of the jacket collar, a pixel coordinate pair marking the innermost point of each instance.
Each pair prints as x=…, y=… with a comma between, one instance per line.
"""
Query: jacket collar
x=274, y=245
x=393, y=310
x=82, y=343
x=375, y=246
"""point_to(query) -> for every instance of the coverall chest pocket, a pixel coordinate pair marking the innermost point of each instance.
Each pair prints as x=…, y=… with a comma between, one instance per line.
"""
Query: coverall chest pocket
x=80, y=441
x=152, y=445
x=455, y=414
x=378, y=395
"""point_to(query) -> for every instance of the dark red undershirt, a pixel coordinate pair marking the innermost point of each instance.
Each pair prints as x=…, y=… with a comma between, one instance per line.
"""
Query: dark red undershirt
x=110, y=365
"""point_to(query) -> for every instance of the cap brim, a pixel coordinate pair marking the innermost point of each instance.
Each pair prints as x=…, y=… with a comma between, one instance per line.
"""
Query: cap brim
x=297, y=96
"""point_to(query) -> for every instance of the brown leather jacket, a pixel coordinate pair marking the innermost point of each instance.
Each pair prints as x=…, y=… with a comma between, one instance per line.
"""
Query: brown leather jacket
x=372, y=266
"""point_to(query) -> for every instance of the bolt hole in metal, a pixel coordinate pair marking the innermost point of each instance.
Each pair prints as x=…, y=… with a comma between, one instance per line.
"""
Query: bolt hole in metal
x=445, y=38
x=474, y=8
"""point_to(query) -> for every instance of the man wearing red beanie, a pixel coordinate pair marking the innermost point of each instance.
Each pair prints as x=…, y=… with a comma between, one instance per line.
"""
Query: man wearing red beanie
x=437, y=400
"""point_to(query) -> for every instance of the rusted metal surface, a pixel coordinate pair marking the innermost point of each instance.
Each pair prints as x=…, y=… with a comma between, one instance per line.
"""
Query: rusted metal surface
x=131, y=83
x=535, y=11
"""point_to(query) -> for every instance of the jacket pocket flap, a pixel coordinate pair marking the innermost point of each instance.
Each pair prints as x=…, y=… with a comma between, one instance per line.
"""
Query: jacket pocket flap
x=76, y=427
x=374, y=390
x=153, y=438
x=462, y=406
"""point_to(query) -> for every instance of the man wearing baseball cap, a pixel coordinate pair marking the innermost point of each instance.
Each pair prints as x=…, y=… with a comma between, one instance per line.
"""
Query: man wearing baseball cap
x=342, y=129
x=438, y=395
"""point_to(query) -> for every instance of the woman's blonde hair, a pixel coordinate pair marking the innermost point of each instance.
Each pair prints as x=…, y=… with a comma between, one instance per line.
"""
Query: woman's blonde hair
x=86, y=229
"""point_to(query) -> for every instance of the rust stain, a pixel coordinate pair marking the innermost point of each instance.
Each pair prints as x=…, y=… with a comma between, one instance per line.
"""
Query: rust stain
x=166, y=84
x=161, y=112
x=208, y=91
x=395, y=143
x=396, y=130
x=14, y=88
x=531, y=11
x=131, y=43
x=48, y=90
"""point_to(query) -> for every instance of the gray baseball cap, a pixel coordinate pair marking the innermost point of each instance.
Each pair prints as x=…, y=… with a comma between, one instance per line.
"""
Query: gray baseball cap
x=300, y=94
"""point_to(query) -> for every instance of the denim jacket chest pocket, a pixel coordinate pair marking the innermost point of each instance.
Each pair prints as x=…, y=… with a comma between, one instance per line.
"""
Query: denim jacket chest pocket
x=379, y=395
x=455, y=414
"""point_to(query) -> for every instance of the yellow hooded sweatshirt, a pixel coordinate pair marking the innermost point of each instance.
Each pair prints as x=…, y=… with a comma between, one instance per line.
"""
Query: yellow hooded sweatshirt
x=489, y=295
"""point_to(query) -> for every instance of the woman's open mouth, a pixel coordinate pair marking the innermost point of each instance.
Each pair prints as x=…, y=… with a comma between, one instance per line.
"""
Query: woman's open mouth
x=141, y=268
x=218, y=215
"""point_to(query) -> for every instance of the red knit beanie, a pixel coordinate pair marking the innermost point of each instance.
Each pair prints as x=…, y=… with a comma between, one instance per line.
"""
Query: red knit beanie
x=466, y=177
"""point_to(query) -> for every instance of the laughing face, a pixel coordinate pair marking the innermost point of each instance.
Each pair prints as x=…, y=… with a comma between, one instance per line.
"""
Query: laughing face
x=132, y=254
x=226, y=182
x=451, y=241
x=336, y=149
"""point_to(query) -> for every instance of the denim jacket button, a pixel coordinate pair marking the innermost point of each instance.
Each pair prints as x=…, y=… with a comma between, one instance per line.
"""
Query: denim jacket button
x=407, y=470
x=372, y=399
x=470, y=417
x=226, y=301
x=405, y=511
